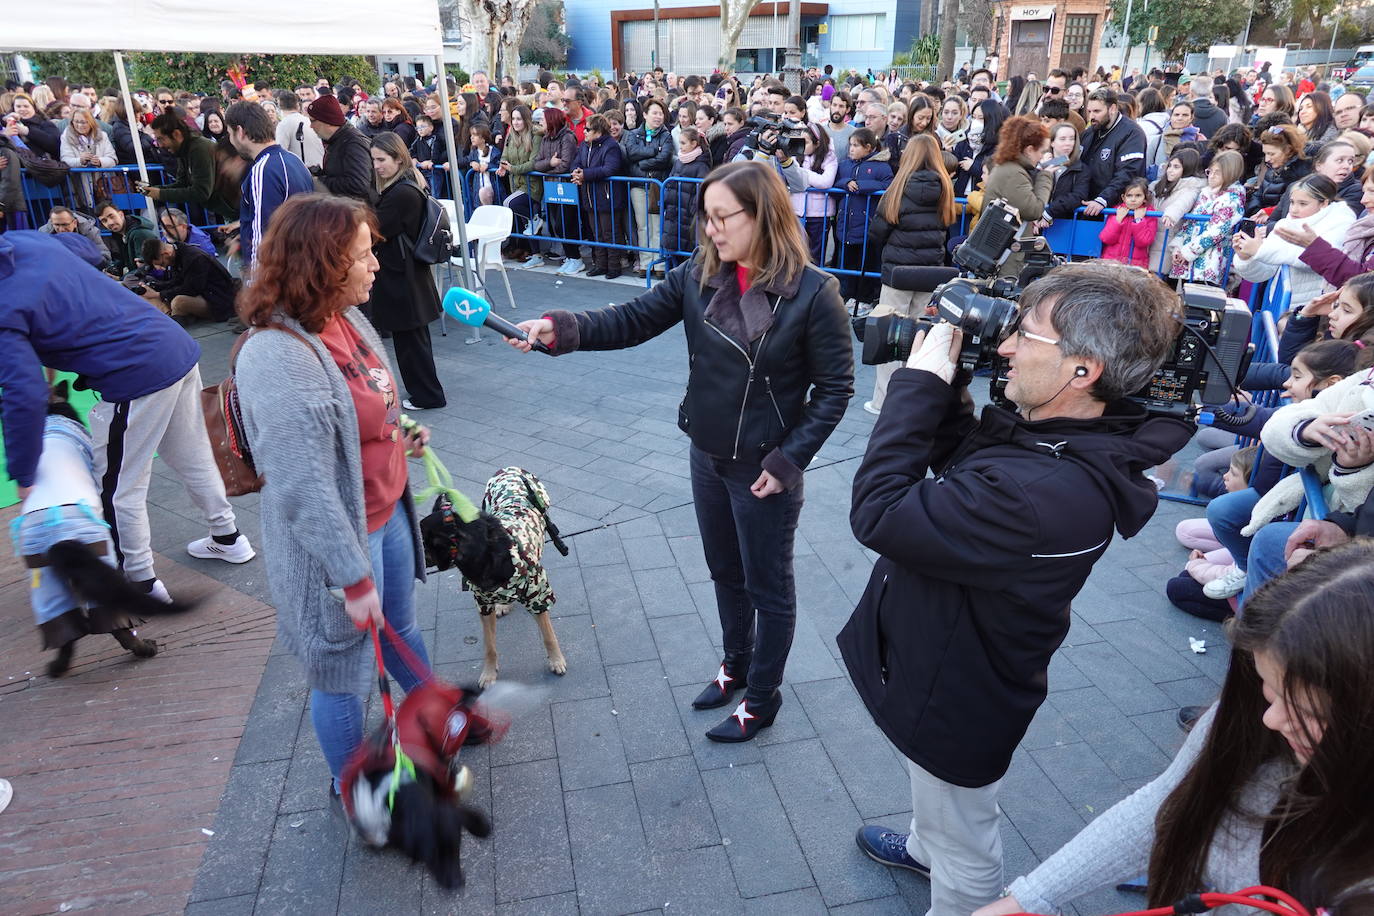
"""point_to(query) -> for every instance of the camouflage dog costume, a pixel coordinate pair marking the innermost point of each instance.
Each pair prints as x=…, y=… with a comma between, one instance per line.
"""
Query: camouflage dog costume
x=517, y=499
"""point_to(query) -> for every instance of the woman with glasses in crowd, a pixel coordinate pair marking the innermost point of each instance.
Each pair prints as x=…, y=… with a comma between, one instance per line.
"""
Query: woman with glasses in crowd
x=763, y=329
x=398, y=121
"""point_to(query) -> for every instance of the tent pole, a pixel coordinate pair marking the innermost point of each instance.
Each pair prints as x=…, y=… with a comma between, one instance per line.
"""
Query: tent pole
x=455, y=177
x=134, y=132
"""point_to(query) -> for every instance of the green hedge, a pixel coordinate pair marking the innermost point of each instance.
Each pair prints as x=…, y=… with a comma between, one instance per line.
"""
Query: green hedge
x=203, y=72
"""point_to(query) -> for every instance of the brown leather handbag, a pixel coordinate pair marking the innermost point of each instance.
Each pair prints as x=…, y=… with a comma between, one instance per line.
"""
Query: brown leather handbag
x=224, y=424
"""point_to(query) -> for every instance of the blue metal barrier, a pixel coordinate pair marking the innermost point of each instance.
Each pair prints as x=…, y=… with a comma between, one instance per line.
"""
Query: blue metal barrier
x=567, y=216
x=83, y=187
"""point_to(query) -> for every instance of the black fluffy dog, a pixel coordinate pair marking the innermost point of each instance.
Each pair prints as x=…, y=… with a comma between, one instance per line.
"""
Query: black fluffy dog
x=481, y=549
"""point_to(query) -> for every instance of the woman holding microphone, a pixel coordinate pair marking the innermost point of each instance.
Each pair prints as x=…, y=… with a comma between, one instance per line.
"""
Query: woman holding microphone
x=771, y=372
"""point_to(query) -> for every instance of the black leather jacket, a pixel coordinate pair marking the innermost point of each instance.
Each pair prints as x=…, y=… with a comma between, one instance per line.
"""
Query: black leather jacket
x=774, y=402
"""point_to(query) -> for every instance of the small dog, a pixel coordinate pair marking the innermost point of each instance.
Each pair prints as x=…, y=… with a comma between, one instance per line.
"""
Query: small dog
x=418, y=805
x=76, y=589
x=500, y=555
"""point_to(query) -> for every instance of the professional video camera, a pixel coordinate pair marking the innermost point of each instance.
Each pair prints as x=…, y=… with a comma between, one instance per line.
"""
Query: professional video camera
x=1212, y=349
x=972, y=297
x=773, y=132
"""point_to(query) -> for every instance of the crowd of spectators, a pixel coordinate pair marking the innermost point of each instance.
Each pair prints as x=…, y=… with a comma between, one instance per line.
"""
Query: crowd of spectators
x=1216, y=178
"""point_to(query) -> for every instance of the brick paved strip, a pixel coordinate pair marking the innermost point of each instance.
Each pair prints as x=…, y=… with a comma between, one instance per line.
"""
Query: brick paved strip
x=118, y=766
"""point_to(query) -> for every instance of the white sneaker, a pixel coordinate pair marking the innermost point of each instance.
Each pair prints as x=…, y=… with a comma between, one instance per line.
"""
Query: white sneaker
x=6, y=793
x=868, y=406
x=534, y=261
x=159, y=591
x=410, y=405
x=207, y=548
x=1231, y=583
x=574, y=266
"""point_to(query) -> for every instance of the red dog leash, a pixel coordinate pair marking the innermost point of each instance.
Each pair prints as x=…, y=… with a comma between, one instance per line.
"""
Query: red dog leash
x=1282, y=905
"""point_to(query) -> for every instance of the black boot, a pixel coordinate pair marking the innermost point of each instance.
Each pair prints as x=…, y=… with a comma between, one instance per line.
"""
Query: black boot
x=749, y=718
x=142, y=648
x=729, y=678
x=58, y=666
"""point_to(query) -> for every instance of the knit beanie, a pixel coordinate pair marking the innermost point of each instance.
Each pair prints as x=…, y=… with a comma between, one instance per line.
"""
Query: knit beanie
x=326, y=110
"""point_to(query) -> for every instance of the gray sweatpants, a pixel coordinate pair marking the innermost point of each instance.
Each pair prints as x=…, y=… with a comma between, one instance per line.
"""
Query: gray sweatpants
x=126, y=436
x=955, y=831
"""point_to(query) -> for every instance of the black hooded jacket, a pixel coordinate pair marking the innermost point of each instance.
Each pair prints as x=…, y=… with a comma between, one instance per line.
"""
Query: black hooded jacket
x=950, y=645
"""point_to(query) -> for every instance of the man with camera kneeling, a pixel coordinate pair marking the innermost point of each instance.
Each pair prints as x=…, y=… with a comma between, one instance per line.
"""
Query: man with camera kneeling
x=951, y=643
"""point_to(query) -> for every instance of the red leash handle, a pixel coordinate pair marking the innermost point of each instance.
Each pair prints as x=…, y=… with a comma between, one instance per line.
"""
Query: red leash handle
x=1282, y=905
x=382, y=684
x=407, y=654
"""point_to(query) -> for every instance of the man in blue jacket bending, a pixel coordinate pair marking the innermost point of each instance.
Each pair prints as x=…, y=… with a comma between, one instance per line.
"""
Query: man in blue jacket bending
x=57, y=311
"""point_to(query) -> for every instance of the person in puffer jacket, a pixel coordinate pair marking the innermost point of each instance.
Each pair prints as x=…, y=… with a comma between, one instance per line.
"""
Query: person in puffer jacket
x=603, y=201
x=1314, y=200
x=909, y=230
x=1284, y=162
x=680, y=196
x=864, y=172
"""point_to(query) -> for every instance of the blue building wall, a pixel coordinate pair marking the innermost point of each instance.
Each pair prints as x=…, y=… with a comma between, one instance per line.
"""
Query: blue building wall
x=589, y=26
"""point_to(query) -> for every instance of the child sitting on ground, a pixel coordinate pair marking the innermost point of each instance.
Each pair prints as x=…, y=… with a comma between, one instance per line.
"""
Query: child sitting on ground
x=1209, y=560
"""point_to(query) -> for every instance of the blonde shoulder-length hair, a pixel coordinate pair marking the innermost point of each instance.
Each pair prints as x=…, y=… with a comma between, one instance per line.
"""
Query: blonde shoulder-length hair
x=779, y=251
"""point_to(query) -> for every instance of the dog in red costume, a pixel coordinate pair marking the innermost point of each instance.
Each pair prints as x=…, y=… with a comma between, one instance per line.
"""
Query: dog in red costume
x=415, y=802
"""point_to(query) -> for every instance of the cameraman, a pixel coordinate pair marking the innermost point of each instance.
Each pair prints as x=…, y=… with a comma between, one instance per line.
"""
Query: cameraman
x=769, y=144
x=951, y=643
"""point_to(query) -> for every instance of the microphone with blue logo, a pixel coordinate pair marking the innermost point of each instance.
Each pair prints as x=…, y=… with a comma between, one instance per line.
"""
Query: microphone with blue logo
x=474, y=311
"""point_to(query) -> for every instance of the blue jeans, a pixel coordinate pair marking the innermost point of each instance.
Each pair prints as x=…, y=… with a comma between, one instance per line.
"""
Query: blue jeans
x=338, y=717
x=748, y=544
x=1266, y=556
x=1227, y=514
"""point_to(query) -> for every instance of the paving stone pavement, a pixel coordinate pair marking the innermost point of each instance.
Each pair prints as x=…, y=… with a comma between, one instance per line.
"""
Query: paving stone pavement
x=607, y=798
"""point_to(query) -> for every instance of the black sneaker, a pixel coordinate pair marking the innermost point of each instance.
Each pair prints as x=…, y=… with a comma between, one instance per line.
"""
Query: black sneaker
x=888, y=848
x=596, y=272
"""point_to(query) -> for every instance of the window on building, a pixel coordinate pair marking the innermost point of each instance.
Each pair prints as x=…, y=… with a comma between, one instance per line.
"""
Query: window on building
x=862, y=32
x=1078, y=34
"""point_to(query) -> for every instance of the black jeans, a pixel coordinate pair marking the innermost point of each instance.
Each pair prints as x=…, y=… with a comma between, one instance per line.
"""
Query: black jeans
x=748, y=544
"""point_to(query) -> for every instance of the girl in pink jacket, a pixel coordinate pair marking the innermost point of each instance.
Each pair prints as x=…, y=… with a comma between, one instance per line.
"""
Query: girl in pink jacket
x=1127, y=235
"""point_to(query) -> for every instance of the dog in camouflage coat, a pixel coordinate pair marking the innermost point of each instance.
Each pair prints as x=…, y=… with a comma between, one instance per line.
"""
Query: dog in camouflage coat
x=518, y=500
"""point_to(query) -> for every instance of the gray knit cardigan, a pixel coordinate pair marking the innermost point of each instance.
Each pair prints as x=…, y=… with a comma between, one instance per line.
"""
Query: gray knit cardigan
x=303, y=429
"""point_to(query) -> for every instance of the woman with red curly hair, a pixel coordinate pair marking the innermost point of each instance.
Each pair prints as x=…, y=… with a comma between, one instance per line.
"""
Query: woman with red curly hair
x=322, y=414
x=1017, y=178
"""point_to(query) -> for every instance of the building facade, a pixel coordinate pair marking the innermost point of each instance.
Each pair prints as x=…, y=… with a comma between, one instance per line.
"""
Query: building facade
x=861, y=34
x=1033, y=38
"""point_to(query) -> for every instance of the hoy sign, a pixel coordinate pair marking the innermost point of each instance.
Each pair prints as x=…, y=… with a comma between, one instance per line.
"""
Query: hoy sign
x=1039, y=11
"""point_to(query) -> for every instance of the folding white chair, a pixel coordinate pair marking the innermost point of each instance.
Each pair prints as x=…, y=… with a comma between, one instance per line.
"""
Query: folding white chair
x=488, y=229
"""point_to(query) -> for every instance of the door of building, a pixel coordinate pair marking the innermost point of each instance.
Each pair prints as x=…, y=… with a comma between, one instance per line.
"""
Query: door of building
x=1030, y=47
x=1080, y=39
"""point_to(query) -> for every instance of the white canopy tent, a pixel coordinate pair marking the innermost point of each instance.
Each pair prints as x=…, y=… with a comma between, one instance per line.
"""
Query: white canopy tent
x=410, y=29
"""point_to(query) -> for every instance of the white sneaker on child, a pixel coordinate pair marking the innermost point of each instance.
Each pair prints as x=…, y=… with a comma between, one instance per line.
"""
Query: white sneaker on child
x=1231, y=583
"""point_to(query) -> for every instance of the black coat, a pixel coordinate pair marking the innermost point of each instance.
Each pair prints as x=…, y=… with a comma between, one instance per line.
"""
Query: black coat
x=599, y=160
x=951, y=642
x=773, y=403
x=1113, y=158
x=123, y=141
x=403, y=294
x=44, y=137
x=1071, y=188
x=195, y=273
x=347, y=168
x=645, y=158
x=680, y=204
x=1273, y=184
x=918, y=238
